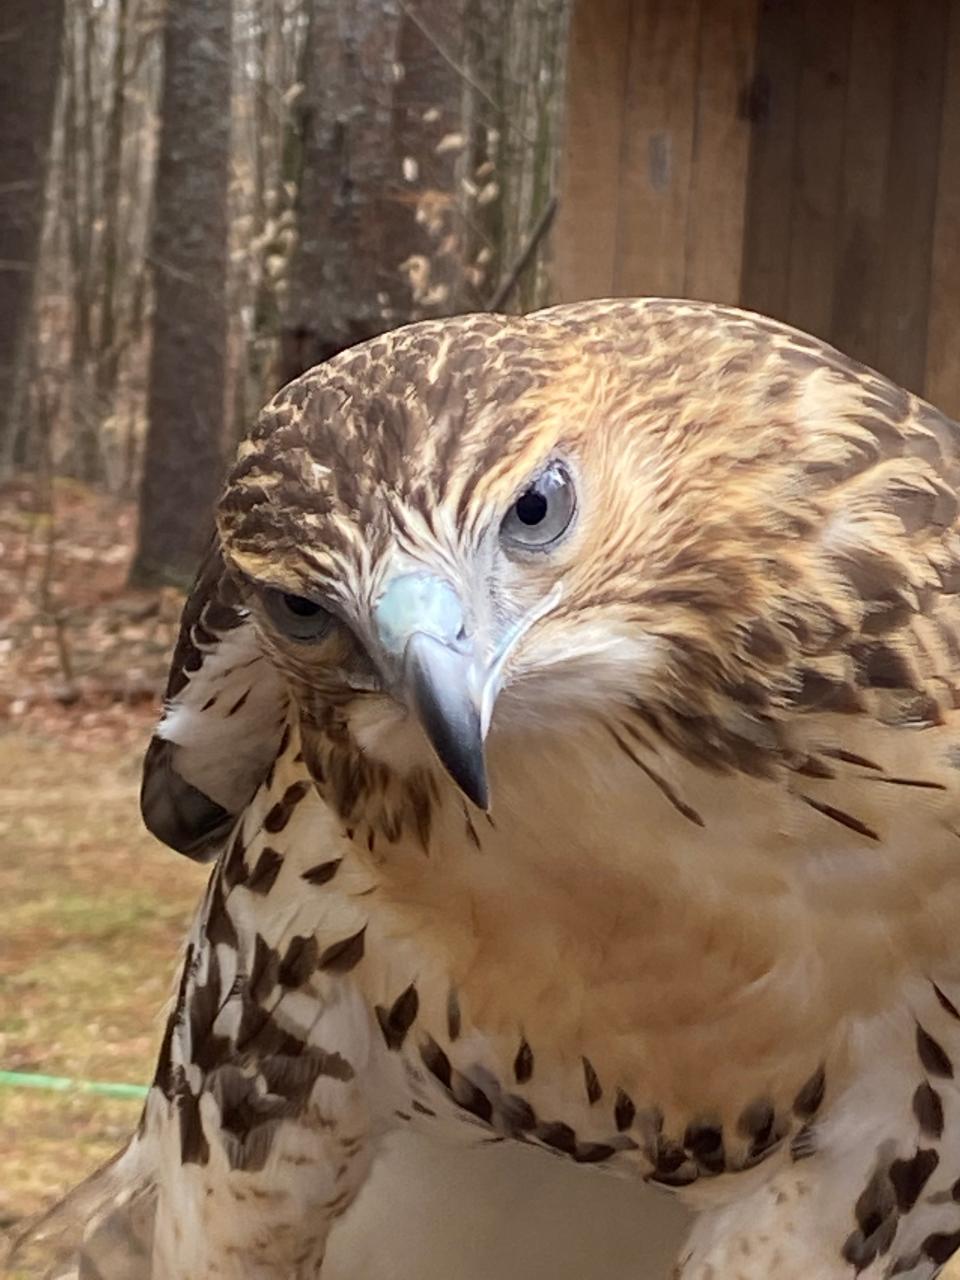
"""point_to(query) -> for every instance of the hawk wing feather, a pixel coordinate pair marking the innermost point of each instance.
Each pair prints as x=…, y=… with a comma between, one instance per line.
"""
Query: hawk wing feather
x=101, y=1230
x=224, y=710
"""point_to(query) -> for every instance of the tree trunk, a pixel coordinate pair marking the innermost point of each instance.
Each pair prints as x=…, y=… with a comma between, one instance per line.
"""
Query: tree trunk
x=429, y=141
x=31, y=32
x=80, y=211
x=339, y=267
x=378, y=214
x=515, y=63
x=187, y=379
x=108, y=354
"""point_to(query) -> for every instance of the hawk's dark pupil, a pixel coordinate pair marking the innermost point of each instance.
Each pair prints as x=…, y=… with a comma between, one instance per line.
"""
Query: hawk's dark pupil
x=302, y=608
x=531, y=507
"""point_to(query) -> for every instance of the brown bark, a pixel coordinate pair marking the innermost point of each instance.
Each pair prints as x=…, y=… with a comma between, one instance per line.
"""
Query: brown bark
x=344, y=114
x=31, y=32
x=108, y=355
x=377, y=209
x=79, y=211
x=515, y=60
x=429, y=137
x=187, y=378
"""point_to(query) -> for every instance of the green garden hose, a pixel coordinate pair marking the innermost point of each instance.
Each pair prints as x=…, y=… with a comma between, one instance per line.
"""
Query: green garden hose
x=63, y=1084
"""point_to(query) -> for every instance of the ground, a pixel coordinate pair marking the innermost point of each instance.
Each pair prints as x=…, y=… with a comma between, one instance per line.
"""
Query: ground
x=93, y=907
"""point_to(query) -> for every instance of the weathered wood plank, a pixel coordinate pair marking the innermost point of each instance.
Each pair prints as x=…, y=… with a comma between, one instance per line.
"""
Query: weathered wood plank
x=721, y=153
x=858, y=286
x=942, y=382
x=818, y=162
x=584, y=236
x=921, y=42
x=657, y=146
x=772, y=107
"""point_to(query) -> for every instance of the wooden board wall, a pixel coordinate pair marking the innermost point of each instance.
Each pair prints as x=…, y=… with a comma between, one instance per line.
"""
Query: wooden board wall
x=942, y=381
x=843, y=176
x=858, y=293
x=652, y=199
x=800, y=157
x=585, y=233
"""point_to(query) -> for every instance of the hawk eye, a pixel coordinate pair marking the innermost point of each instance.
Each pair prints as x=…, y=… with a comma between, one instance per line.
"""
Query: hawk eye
x=295, y=616
x=543, y=512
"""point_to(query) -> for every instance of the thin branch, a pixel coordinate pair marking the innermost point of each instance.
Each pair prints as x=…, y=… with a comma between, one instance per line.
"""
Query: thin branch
x=523, y=258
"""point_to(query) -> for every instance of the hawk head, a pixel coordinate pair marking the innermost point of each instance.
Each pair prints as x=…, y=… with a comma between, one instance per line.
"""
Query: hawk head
x=643, y=514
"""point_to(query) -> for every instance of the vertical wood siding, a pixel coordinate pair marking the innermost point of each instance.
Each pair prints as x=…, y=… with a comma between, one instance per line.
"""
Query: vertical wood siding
x=654, y=187
x=799, y=157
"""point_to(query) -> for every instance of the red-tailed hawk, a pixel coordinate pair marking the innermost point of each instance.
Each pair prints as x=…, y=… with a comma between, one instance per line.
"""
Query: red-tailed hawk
x=571, y=702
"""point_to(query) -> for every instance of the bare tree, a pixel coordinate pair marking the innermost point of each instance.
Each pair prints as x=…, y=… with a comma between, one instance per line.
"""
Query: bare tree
x=270, y=39
x=428, y=141
x=189, y=258
x=31, y=32
x=80, y=209
x=389, y=160
x=343, y=119
x=109, y=339
x=514, y=60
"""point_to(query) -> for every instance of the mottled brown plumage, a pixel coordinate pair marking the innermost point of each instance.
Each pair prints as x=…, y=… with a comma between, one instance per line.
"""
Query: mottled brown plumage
x=707, y=933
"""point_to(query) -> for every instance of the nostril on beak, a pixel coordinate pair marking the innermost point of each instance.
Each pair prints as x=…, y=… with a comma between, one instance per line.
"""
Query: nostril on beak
x=418, y=603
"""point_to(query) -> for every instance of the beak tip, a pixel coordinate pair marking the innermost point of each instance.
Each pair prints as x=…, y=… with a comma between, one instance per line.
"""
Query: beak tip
x=467, y=771
x=478, y=793
x=438, y=692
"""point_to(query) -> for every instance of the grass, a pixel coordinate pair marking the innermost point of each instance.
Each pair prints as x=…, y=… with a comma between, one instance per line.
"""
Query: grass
x=92, y=912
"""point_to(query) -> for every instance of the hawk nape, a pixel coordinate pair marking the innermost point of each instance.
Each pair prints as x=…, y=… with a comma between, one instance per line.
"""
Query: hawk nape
x=572, y=703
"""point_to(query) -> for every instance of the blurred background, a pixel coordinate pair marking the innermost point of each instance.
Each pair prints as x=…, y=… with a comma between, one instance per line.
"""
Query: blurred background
x=199, y=199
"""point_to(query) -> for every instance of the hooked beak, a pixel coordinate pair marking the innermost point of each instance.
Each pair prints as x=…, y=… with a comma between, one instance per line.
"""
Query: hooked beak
x=438, y=685
x=438, y=672
x=445, y=675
